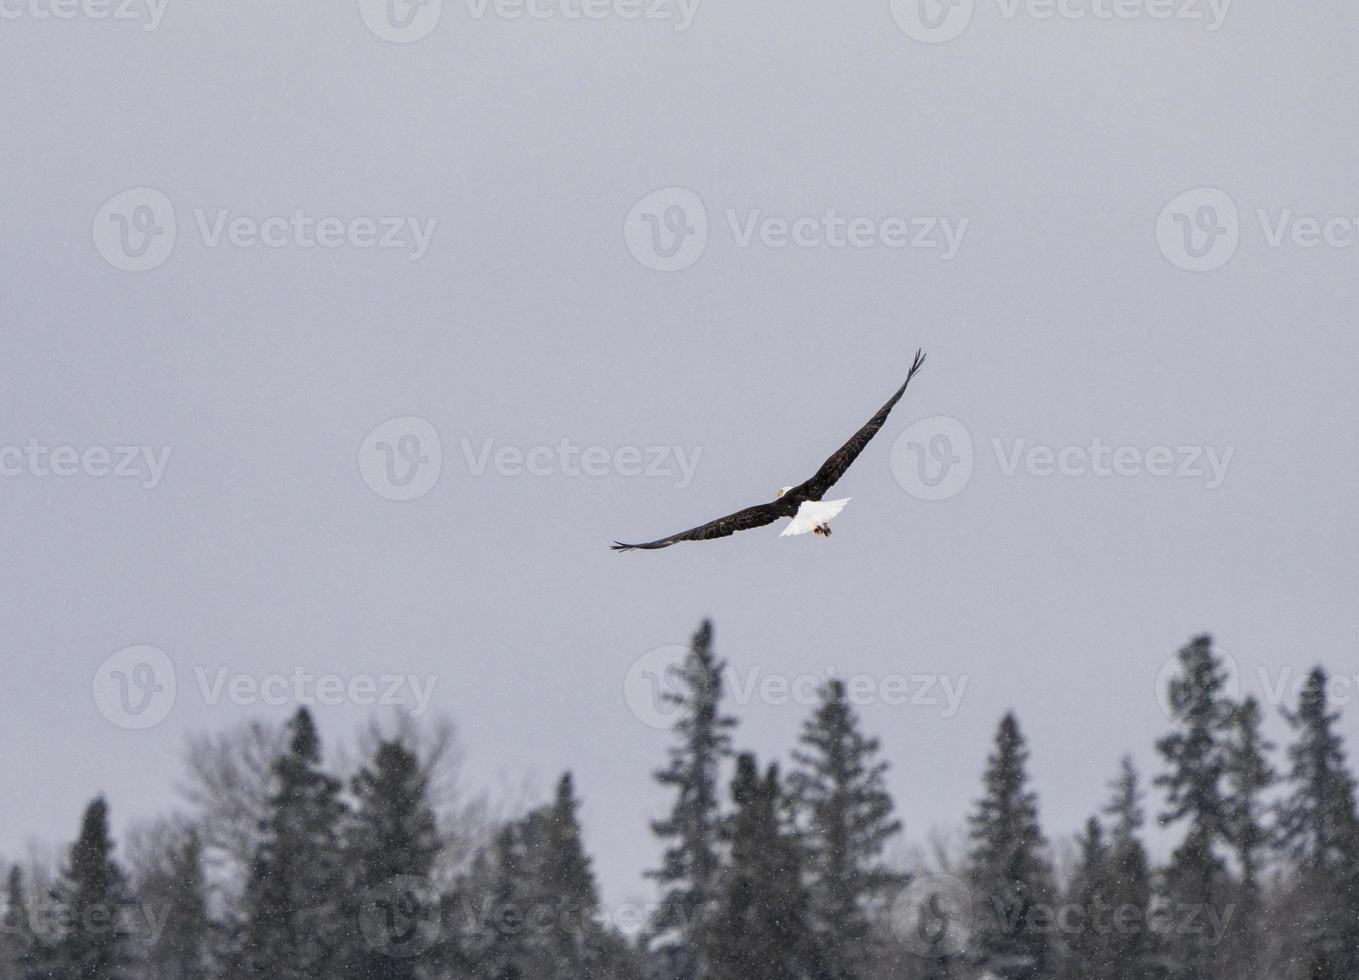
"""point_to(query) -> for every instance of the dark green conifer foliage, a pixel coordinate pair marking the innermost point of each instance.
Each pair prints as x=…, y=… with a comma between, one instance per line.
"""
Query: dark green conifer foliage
x=1010, y=875
x=93, y=895
x=847, y=821
x=761, y=931
x=692, y=829
x=1133, y=947
x=1196, y=881
x=392, y=838
x=1319, y=831
x=296, y=928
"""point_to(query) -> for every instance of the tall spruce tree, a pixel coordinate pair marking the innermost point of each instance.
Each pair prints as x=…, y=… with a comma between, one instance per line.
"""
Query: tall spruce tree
x=847, y=820
x=1009, y=872
x=1129, y=887
x=392, y=836
x=22, y=953
x=1318, y=829
x=1196, y=881
x=93, y=895
x=762, y=929
x=295, y=928
x=1248, y=777
x=573, y=945
x=692, y=830
x=177, y=888
x=1090, y=951
x=529, y=906
x=501, y=896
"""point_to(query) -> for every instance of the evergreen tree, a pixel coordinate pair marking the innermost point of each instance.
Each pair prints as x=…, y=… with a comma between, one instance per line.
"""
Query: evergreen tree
x=690, y=862
x=529, y=907
x=22, y=952
x=295, y=928
x=1196, y=880
x=1248, y=777
x=573, y=945
x=1090, y=951
x=1318, y=829
x=848, y=820
x=93, y=896
x=1010, y=875
x=391, y=836
x=500, y=947
x=177, y=888
x=761, y=931
x=1132, y=943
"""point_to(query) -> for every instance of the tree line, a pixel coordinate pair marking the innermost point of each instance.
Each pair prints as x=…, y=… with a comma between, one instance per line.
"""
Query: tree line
x=283, y=869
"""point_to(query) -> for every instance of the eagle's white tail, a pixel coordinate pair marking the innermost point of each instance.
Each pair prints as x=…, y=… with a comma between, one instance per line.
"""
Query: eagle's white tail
x=812, y=514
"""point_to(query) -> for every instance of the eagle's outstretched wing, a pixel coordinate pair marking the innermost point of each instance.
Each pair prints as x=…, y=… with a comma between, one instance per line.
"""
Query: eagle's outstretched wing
x=742, y=520
x=834, y=467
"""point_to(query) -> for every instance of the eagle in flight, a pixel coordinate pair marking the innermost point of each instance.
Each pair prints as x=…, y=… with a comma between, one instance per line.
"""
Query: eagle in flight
x=803, y=502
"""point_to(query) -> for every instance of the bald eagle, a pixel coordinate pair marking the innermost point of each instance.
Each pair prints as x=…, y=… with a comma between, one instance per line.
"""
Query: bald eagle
x=803, y=502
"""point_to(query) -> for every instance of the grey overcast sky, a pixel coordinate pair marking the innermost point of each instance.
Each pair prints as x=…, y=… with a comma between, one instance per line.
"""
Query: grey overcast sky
x=1125, y=234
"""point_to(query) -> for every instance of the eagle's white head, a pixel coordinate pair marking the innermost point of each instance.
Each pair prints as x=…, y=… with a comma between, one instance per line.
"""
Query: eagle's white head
x=782, y=491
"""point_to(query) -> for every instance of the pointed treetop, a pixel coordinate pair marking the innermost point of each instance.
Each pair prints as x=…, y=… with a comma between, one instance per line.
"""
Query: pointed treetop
x=305, y=743
x=1126, y=804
